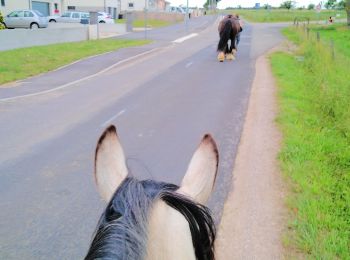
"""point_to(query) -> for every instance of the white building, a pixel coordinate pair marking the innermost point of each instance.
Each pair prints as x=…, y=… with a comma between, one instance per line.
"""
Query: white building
x=51, y=7
x=140, y=5
x=58, y=7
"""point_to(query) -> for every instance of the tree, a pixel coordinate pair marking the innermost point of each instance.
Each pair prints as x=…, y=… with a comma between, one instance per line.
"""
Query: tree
x=347, y=8
x=1, y=21
x=208, y=2
x=330, y=4
x=341, y=5
x=287, y=5
x=311, y=7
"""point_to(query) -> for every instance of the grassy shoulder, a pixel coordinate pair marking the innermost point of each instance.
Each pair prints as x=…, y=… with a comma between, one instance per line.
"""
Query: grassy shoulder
x=338, y=33
x=284, y=15
x=151, y=23
x=314, y=94
x=22, y=63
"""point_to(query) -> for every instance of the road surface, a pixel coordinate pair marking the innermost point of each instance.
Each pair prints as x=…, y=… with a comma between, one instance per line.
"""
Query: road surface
x=162, y=97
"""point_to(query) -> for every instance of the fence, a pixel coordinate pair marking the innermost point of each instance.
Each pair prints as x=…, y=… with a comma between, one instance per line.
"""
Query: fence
x=164, y=16
x=57, y=33
x=304, y=25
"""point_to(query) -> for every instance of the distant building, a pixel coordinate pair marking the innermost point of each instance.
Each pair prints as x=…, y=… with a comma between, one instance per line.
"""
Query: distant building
x=257, y=6
x=140, y=5
x=58, y=7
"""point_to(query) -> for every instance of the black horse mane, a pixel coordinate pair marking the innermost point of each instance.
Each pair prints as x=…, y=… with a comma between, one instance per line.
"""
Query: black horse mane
x=200, y=221
x=122, y=229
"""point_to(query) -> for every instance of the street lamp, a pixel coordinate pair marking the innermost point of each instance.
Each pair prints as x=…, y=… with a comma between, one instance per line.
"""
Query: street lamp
x=146, y=18
x=187, y=17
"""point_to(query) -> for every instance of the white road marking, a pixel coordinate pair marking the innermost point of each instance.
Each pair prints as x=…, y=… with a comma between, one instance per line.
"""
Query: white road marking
x=108, y=122
x=182, y=39
x=188, y=64
x=78, y=80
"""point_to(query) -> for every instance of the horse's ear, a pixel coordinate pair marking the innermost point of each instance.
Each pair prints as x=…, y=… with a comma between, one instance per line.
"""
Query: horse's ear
x=200, y=177
x=110, y=167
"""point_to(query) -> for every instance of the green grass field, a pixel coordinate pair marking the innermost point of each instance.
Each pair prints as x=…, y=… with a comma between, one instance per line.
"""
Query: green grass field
x=283, y=15
x=338, y=33
x=314, y=94
x=22, y=63
x=151, y=23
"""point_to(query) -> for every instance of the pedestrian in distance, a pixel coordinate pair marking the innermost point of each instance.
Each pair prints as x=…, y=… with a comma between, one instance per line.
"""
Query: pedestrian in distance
x=238, y=37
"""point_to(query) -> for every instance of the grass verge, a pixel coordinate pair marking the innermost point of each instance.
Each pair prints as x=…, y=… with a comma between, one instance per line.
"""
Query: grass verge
x=283, y=15
x=314, y=94
x=22, y=63
x=151, y=23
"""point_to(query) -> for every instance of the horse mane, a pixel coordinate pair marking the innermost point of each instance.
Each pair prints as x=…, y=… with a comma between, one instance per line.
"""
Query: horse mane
x=122, y=229
x=201, y=224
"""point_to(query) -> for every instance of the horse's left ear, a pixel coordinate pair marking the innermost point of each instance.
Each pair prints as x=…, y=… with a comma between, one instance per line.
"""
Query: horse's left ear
x=110, y=167
x=200, y=177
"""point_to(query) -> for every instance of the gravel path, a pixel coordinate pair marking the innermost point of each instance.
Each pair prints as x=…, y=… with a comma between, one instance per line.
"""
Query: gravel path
x=254, y=213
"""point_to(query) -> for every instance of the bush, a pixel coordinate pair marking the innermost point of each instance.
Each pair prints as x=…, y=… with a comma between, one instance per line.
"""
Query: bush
x=311, y=7
x=1, y=22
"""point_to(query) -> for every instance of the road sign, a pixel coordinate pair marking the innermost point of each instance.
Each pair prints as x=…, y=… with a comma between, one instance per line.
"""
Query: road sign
x=318, y=8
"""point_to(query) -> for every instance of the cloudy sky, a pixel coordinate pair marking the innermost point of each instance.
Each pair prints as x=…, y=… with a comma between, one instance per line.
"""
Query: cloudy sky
x=244, y=3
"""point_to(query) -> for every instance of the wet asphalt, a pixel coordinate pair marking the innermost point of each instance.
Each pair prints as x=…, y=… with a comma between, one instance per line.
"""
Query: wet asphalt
x=162, y=97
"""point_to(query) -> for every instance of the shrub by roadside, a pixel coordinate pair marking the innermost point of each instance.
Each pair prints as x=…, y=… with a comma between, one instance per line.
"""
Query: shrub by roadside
x=314, y=94
x=1, y=22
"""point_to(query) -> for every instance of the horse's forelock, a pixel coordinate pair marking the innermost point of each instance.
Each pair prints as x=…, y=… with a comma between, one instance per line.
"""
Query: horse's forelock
x=122, y=230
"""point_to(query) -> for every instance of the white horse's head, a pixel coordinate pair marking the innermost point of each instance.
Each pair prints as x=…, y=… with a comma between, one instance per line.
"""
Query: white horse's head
x=149, y=219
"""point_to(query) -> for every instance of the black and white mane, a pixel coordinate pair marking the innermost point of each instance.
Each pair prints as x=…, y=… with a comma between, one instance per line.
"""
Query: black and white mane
x=122, y=230
x=149, y=219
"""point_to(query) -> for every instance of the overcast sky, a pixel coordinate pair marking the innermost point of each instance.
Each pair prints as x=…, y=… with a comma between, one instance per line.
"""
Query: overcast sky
x=244, y=3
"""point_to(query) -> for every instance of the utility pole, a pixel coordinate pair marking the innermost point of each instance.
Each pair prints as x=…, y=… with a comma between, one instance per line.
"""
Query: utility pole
x=146, y=7
x=347, y=8
x=187, y=17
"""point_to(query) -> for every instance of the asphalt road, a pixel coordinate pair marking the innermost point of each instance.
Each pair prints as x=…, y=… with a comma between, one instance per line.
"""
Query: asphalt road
x=162, y=102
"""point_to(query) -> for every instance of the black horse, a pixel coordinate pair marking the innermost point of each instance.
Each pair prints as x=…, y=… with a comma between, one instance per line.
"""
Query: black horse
x=229, y=28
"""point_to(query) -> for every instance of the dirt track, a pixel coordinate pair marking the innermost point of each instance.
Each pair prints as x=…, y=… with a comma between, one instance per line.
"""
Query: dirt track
x=254, y=213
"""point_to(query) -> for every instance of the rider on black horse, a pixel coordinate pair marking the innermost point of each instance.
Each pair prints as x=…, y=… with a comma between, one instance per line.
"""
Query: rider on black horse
x=229, y=29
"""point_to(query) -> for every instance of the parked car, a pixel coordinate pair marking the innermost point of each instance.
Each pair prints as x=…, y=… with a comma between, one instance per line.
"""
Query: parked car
x=76, y=17
x=69, y=17
x=104, y=17
x=32, y=19
x=177, y=9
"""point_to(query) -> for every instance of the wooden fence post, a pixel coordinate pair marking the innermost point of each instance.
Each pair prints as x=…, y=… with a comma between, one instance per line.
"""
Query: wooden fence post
x=332, y=49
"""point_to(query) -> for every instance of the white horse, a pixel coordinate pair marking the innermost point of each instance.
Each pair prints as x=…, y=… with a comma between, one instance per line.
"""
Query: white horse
x=149, y=219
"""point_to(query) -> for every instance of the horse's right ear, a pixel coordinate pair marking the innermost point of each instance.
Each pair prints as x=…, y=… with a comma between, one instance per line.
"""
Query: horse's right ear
x=110, y=167
x=200, y=177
